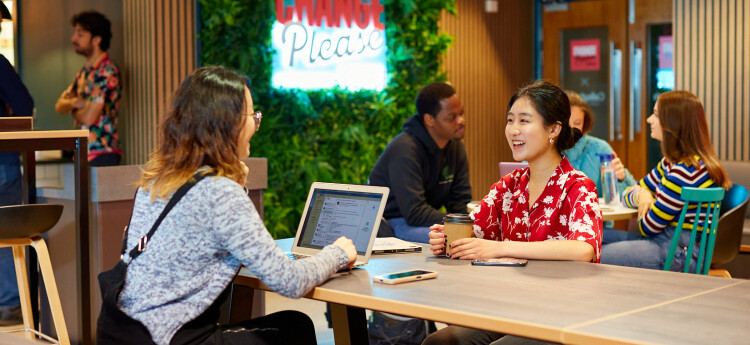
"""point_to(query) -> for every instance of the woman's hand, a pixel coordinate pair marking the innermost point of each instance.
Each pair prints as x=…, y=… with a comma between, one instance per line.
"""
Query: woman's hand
x=475, y=249
x=243, y=177
x=348, y=246
x=645, y=201
x=437, y=239
x=618, y=167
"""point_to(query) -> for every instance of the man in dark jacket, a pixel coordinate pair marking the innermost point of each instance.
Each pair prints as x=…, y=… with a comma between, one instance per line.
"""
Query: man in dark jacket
x=15, y=100
x=425, y=166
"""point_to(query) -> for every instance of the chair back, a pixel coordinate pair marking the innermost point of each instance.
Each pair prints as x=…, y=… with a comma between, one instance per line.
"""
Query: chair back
x=709, y=215
x=729, y=231
x=26, y=221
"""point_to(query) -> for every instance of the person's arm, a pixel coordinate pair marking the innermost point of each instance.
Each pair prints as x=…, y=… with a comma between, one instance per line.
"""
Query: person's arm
x=240, y=230
x=13, y=92
x=89, y=112
x=84, y=111
x=66, y=102
x=407, y=184
x=480, y=249
x=486, y=215
x=667, y=203
x=460, y=193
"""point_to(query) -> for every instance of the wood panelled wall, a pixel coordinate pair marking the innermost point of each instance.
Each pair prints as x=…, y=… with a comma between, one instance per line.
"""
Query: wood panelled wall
x=491, y=57
x=712, y=60
x=160, y=52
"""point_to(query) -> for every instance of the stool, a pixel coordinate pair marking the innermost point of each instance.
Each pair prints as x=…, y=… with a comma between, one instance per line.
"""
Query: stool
x=21, y=226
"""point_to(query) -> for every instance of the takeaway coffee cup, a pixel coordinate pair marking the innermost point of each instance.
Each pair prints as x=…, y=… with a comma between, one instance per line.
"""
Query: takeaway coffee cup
x=456, y=226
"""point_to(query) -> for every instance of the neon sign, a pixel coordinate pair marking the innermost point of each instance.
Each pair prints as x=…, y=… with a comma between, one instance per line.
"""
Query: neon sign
x=326, y=43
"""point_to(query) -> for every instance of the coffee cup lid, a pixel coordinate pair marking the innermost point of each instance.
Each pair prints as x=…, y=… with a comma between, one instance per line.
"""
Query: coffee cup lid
x=462, y=218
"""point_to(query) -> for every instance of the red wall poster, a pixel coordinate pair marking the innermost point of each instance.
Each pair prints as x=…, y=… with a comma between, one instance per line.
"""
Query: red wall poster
x=585, y=55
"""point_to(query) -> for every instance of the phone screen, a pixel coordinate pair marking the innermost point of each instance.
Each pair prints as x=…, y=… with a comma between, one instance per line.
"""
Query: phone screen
x=405, y=274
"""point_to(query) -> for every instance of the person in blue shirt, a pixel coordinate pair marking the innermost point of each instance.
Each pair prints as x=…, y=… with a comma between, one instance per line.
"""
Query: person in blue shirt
x=584, y=155
x=15, y=100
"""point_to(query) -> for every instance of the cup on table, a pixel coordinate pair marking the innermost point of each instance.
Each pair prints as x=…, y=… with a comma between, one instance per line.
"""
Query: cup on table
x=456, y=226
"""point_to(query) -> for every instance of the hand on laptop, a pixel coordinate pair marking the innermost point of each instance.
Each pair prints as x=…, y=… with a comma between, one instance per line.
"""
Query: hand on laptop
x=348, y=246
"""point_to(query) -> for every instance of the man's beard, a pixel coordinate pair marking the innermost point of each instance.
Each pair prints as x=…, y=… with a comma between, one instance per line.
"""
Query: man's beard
x=87, y=51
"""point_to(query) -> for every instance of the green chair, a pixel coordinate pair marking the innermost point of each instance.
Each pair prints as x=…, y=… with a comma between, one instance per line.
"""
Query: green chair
x=709, y=214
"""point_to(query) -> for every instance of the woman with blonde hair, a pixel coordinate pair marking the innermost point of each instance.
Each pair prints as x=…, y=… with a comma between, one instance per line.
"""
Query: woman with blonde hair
x=679, y=123
x=177, y=275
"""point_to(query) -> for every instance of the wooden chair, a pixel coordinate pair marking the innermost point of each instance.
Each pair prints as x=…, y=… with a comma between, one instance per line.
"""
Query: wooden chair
x=21, y=226
x=698, y=196
x=729, y=230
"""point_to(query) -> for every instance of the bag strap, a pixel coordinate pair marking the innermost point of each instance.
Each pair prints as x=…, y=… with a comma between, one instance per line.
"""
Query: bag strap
x=138, y=249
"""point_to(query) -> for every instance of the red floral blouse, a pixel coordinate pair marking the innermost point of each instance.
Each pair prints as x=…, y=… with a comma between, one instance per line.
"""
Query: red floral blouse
x=567, y=209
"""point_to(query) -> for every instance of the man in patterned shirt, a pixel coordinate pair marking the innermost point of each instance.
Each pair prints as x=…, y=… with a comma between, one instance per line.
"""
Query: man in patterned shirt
x=94, y=96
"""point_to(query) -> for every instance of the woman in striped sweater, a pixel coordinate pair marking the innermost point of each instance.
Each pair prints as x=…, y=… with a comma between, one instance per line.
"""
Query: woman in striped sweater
x=679, y=123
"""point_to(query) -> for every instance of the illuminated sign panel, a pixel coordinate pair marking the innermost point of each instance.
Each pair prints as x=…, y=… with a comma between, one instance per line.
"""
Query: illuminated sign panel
x=325, y=43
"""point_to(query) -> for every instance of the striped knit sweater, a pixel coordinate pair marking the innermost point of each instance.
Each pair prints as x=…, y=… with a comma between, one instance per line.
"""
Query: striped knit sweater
x=665, y=183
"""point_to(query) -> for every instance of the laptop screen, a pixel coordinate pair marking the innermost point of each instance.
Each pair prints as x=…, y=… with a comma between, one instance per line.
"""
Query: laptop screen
x=335, y=213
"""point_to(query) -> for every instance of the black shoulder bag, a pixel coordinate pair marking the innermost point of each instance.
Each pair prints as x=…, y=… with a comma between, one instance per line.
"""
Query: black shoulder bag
x=113, y=325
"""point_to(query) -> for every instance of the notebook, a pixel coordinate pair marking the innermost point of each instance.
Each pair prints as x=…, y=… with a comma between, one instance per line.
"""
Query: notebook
x=508, y=167
x=388, y=245
x=334, y=210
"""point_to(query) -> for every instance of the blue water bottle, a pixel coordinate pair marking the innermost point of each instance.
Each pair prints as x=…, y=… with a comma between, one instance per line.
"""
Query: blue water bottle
x=608, y=179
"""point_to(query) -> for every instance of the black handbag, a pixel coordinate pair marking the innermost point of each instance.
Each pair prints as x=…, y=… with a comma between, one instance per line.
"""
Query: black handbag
x=383, y=329
x=116, y=327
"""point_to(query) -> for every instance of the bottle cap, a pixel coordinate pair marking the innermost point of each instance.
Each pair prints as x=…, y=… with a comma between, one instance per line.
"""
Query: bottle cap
x=603, y=157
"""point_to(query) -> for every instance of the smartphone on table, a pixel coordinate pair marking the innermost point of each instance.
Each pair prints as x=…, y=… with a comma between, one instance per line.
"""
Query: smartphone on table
x=404, y=276
x=500, y=262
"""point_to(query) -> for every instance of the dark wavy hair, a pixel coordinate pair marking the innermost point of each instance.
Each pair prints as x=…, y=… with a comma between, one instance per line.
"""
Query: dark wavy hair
x=97, y=24
x=429, y=97
x=552, y=104
x=201, y=128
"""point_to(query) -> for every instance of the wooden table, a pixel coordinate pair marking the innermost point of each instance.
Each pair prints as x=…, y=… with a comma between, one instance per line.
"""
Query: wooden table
x=30, y=141
x=617, y=212
x=561, y=301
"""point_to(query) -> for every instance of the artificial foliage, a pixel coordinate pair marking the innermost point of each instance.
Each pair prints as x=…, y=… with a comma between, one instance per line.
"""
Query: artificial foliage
x=331, y=135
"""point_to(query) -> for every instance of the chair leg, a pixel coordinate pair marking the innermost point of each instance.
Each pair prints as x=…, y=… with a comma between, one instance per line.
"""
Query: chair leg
x=718, y=272
x=22, y=278
x=45, y=264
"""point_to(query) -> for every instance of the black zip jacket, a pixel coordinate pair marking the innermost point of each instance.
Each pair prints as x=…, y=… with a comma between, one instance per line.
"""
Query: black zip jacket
x=422, y=178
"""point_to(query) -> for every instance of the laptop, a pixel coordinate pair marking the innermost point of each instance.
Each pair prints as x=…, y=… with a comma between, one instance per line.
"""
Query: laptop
x=390, y=245
x=508, y=167
x=333, y=210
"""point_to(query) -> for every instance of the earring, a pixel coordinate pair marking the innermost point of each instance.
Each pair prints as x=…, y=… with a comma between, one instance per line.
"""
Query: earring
x=551, y=141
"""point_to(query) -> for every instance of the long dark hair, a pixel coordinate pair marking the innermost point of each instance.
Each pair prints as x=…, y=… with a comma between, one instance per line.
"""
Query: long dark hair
x=552, y=104
x=685, y=134
x=201, y=128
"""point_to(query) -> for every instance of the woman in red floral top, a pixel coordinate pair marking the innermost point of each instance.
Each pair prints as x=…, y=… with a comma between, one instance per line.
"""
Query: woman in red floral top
x=548, y=211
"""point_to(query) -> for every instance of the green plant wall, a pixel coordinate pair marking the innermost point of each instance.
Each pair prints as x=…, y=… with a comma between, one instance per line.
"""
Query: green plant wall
x=331, y=135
